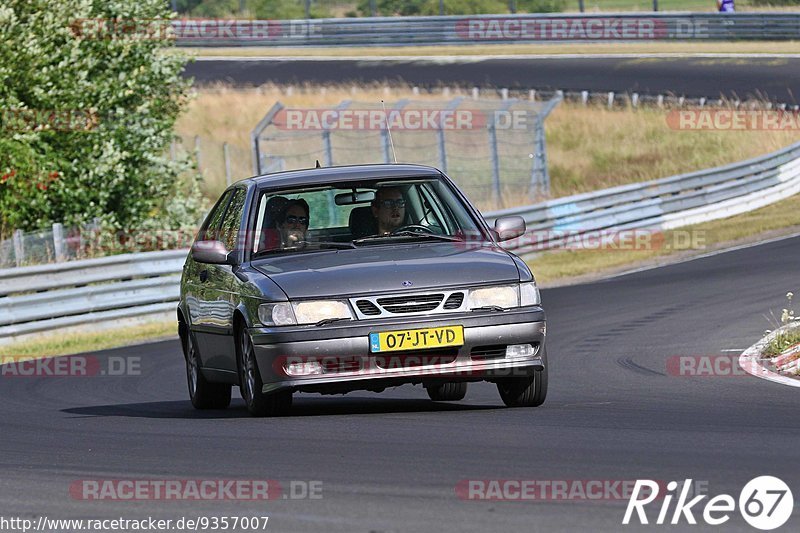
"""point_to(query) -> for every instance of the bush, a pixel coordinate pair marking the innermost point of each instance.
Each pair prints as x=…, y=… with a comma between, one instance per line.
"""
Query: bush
x=128, y=93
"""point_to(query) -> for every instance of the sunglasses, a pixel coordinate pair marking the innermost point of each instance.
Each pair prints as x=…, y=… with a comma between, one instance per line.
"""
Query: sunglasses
x=392, y=203
x=291, y=219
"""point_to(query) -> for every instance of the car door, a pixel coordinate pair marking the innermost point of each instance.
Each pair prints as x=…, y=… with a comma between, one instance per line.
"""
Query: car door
x=225, y=297
x=194, y=285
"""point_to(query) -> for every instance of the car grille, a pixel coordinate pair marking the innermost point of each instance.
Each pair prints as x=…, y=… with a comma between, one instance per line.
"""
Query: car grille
x=368, y=308
x=488, y=352
x=411, y=304
x=454, y=301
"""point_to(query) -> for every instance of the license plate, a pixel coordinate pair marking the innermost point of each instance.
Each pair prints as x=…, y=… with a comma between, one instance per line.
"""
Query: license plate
x=416, y=339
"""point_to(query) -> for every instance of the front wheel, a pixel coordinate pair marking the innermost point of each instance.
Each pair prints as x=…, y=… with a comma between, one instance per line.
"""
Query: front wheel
x=527, y=391
x=203, y=393
x=250, y=384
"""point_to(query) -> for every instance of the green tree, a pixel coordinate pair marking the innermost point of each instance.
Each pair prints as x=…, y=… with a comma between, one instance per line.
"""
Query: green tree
x=102, y=63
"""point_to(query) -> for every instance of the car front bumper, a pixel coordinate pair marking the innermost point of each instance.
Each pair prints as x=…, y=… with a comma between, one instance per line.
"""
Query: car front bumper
x=344, y=352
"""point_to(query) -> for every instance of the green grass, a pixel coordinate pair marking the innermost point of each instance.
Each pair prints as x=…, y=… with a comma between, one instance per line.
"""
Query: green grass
x=781, y=343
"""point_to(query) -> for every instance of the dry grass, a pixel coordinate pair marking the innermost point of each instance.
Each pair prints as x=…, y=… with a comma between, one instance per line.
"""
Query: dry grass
x=80, y=342
x=588, y=147
x=754, y=47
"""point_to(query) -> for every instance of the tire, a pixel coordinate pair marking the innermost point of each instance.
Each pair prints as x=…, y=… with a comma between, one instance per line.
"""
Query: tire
x=528, y=391
x=203, y=393
x=447, y=392
x=250, y=384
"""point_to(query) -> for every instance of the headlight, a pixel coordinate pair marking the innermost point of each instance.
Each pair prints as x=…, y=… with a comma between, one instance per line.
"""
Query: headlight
x=529, y=294
x=505, y=296
x=291, y=313
x=313, y=312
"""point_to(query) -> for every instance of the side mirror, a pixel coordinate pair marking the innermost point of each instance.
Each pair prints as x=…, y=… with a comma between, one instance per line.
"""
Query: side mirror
x=211, y=252
x=508, y=228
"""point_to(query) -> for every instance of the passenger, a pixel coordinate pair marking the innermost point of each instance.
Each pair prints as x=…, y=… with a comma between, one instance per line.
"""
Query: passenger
x=725, y=6
x=293, y=223
x=389, y=209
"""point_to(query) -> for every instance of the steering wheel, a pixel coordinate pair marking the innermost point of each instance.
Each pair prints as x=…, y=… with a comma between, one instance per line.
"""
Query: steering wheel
x=414, y=228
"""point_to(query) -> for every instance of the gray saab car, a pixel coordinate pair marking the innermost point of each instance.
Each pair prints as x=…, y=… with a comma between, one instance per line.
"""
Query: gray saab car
x=331, y=280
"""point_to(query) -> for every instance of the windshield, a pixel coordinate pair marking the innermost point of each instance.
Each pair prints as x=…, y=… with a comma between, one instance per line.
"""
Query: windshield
x=350, y=215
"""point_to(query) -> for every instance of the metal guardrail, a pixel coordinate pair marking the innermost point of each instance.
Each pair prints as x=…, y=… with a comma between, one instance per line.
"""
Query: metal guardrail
x=660, y=204
x=454, y=30
x=50, y=297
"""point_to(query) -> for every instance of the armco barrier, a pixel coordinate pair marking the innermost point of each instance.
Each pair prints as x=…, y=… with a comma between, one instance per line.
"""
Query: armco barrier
x=452, y=30
x=665, y=203
x=50, y=297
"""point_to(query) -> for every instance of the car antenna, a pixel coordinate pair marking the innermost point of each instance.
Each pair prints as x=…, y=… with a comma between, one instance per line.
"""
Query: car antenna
x=389, y=130
x=318, y=165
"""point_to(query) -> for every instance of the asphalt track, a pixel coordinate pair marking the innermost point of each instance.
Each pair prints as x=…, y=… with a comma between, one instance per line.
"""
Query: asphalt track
x=390, y=462
x=777, y=79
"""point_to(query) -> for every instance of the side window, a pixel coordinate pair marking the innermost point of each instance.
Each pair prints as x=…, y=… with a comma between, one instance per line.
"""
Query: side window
x=210, y=227
x=229, y=228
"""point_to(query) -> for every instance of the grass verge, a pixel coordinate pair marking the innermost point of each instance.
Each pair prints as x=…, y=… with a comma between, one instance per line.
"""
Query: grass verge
x=781, y=343
x=560, y=267
x=80, y=342
x=692, y=48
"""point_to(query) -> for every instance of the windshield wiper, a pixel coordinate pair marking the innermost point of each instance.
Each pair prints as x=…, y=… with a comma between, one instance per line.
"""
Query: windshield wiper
x=406, y=235
x=332, y=244
x=326, y=321
x=489, y=308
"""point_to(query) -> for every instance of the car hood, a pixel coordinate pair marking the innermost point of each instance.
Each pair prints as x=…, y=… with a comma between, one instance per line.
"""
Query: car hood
x=373, y=269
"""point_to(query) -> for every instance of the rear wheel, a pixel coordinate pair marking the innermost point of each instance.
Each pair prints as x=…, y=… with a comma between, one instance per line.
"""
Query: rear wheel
x=447, y=392
x=527, y=391
x=250, y=384
x=203, y=393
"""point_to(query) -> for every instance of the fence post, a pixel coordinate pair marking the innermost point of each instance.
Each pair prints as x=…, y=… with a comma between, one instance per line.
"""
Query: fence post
x=19, y=247
x=227, y=157
x=540, y=174
x=496, y=191
x=58, y=242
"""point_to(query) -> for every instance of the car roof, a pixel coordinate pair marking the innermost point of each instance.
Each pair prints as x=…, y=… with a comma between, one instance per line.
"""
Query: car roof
x=323, y=175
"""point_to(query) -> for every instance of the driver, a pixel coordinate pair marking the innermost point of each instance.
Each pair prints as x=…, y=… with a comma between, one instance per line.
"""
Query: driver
x=389, y=209
x=293, y=223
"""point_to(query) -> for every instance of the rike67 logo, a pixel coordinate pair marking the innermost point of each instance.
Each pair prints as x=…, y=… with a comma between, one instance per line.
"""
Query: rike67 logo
x=765, y=503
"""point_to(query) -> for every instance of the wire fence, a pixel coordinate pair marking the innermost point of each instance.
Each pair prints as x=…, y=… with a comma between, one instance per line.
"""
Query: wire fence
x=493, y=149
